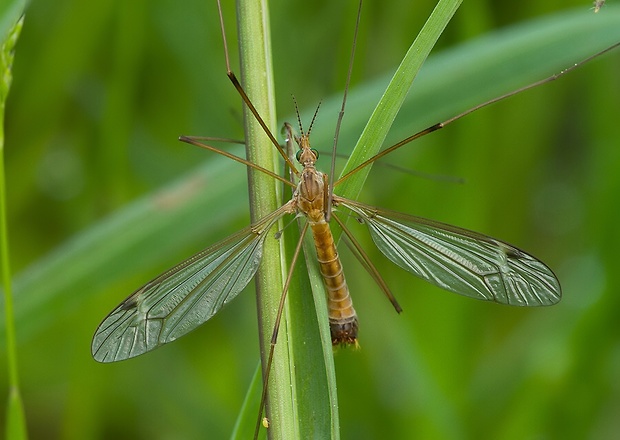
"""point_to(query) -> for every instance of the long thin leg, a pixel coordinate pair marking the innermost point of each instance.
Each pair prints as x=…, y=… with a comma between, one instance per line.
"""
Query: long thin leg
x=365, y=261
x=328, y=214
x=194, y=141
x=245, y=98
x=441, y=125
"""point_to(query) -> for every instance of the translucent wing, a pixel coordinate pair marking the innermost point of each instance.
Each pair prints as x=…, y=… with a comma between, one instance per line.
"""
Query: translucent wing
x=459, y=260
x=179, y=300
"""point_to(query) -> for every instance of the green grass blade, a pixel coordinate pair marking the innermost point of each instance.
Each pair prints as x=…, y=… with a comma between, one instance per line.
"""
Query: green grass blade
x=257, y=79
x=313, y=354
x=381, y=120
x=282, y=406
x=15, y=417
x=478, y=70
x=300, y=401
x=10, y=11
x=246, y=420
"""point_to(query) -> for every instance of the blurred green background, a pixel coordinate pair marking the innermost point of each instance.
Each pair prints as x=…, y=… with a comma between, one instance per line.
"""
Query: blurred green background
x=102, y=198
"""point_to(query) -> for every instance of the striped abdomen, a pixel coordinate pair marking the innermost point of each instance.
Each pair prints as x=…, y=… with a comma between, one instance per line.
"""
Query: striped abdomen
x=342, y=316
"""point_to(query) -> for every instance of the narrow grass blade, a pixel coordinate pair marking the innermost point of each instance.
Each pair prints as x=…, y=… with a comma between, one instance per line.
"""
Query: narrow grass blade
x=380, y=122
x=15, y=416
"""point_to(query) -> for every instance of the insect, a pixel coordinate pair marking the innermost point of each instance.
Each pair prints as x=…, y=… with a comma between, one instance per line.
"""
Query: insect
x=454, y=259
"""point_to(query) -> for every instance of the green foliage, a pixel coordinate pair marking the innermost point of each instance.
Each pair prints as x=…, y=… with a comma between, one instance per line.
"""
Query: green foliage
x=101, y=198
x=15, y=417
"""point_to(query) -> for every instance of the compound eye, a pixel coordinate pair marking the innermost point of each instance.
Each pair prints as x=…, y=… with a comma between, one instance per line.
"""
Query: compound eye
x=298, y=155
x=316, y=153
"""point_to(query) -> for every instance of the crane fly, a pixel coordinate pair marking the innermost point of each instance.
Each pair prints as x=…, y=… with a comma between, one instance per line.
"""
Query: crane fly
x=454, y=259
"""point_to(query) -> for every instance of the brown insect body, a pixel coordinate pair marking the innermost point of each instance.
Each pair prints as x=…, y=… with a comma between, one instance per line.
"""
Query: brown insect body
x=310, y=198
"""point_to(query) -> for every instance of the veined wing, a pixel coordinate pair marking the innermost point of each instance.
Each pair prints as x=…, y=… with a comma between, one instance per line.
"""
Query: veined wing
x=458, y=260
x=179, y=300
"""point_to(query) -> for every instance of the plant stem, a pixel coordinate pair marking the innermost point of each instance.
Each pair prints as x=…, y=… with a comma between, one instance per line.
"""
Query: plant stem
x=16, y=419
x=257, y=80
